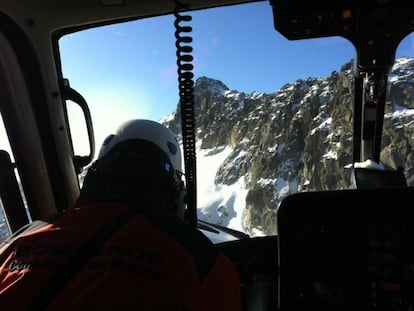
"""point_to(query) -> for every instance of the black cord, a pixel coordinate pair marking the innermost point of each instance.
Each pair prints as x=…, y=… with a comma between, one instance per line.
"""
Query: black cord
x=186, y=93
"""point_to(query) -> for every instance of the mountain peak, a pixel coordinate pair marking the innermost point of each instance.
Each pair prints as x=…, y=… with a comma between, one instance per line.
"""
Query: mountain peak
x=209, y=85
x=255, y=149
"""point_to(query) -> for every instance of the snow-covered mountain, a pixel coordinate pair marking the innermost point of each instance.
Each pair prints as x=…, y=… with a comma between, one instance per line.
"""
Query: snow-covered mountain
x=255, y=149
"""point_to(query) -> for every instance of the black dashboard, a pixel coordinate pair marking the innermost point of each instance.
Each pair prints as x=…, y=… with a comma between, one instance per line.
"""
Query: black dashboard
x=347, y=250
x=256, y=262
x=335, y=250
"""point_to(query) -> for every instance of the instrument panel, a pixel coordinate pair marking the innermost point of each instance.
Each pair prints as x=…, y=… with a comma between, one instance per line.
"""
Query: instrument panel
x=347, y=250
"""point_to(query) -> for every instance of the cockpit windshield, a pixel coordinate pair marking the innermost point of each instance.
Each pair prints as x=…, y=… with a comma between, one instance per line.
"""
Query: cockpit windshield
x=273, y=116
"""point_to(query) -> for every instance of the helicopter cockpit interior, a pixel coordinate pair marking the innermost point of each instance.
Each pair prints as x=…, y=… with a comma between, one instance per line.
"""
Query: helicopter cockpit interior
x=342, y=249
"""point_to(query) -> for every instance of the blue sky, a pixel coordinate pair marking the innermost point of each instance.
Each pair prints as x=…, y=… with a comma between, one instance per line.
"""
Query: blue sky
x=237, y=46
x=133, y=65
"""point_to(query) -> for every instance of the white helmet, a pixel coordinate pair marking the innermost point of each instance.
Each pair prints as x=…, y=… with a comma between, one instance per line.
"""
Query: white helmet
x=148, y=130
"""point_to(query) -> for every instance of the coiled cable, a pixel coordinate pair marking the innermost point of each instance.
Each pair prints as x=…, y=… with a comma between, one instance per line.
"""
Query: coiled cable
x=186, y=93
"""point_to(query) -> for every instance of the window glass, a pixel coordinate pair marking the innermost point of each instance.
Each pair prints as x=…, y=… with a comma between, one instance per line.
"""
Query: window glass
x=273, y=115
x=4, y=145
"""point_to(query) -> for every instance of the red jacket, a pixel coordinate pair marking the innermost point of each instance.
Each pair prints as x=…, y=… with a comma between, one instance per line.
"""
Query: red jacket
x=139, y=266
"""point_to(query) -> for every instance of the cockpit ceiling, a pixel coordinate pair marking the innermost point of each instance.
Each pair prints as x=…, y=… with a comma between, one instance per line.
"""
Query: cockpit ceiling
x=56, y=15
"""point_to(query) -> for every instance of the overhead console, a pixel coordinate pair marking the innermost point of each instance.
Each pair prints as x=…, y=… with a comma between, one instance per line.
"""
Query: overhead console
x=347, y=250
x=375, y=27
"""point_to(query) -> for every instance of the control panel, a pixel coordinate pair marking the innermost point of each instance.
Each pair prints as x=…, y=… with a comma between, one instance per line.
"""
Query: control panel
x=347, y=250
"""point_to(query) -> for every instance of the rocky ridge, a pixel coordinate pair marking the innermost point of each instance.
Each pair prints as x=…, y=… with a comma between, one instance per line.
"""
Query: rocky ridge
x=298, y=138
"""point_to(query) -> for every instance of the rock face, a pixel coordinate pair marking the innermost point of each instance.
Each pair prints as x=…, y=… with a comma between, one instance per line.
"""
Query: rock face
x=298, y=138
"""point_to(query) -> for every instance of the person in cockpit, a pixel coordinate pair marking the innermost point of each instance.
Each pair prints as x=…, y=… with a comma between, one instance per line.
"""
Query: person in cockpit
x=124, y=244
